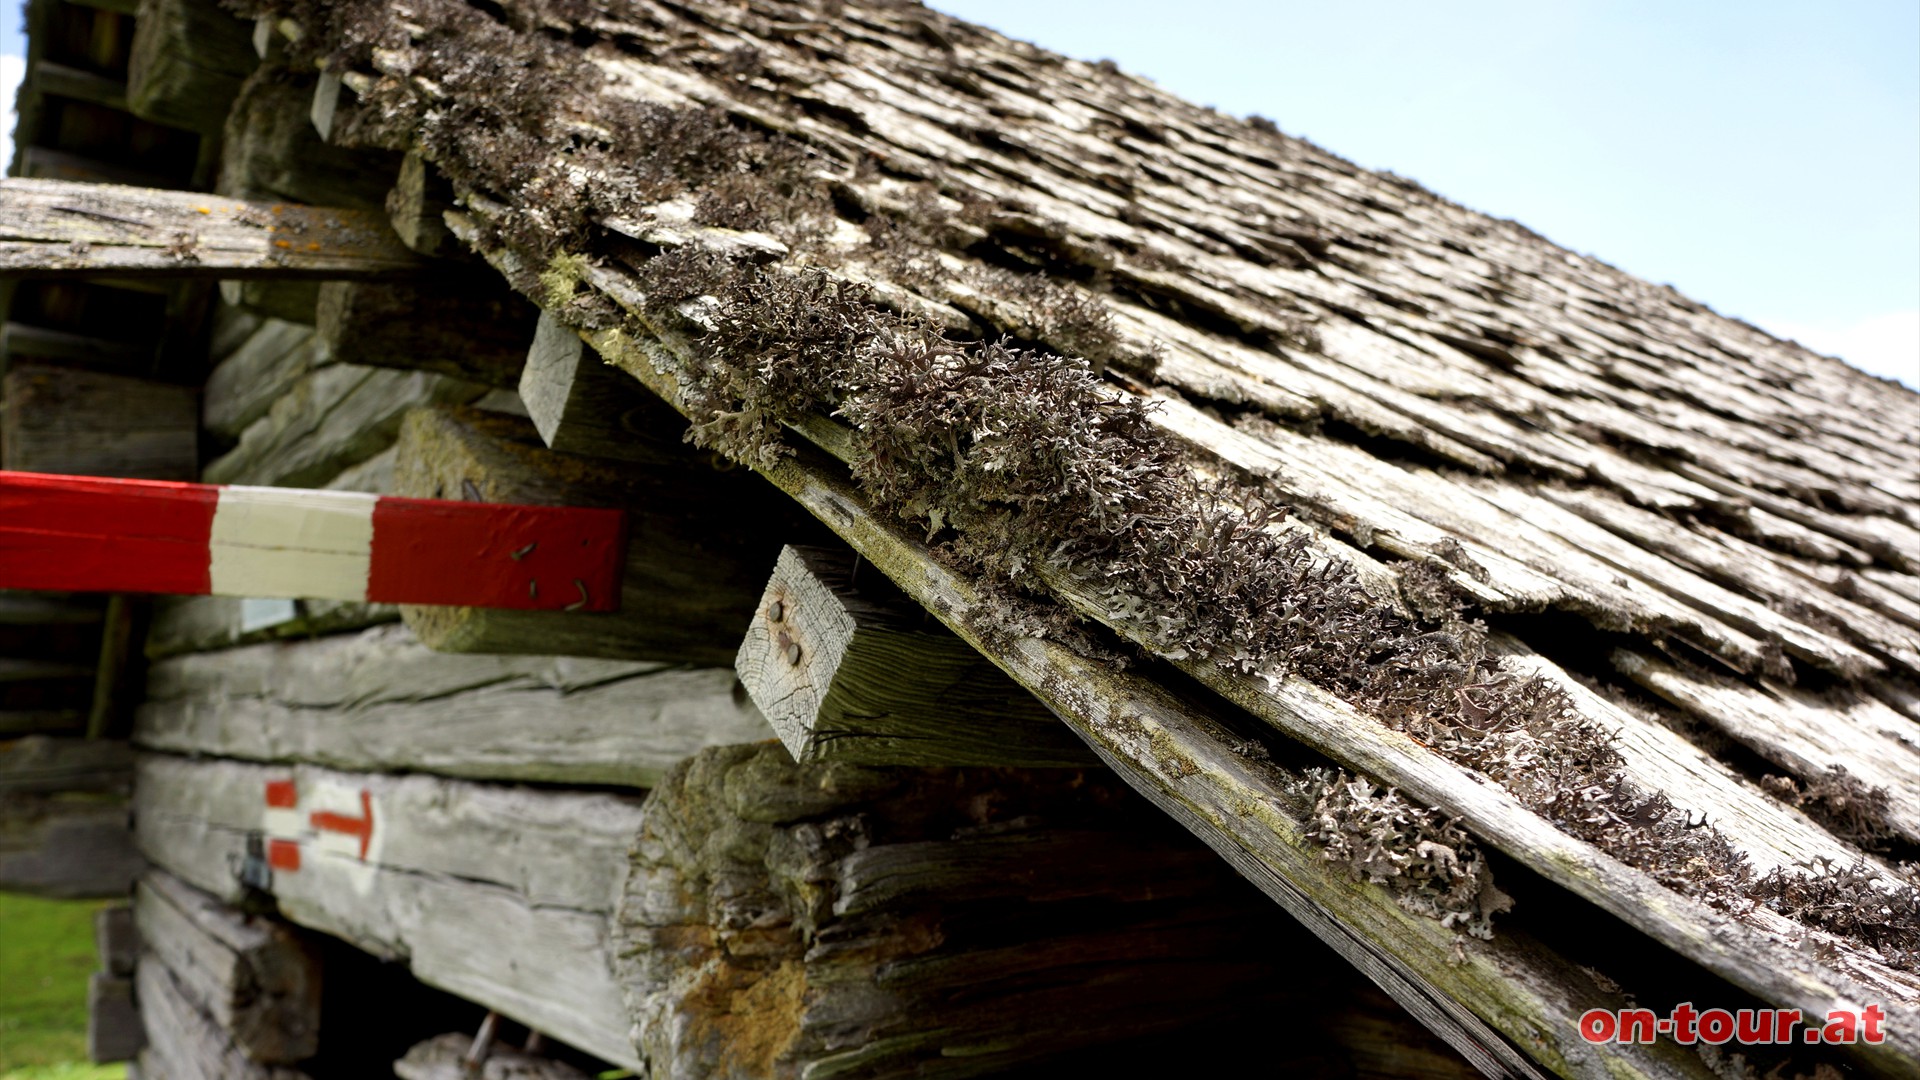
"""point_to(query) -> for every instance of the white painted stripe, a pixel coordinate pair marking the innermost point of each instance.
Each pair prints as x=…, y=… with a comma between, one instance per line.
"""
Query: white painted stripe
x=280, y=542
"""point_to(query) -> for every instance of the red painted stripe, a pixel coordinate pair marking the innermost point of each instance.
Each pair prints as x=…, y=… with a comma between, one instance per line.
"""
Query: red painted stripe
x=283, y=855
x=79, y=533
x=282, y=793
x=430, y=552
x=361, y=826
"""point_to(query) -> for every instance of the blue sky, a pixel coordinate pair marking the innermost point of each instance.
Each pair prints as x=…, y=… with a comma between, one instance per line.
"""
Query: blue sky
x=1763, y=157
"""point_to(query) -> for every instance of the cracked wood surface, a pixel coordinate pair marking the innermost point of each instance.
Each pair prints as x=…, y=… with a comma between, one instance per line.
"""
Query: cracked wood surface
x=56, y=229
x=1419, y=381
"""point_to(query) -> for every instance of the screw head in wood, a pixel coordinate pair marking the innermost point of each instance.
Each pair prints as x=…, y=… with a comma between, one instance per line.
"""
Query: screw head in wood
x=793, y=654
x=776, y=611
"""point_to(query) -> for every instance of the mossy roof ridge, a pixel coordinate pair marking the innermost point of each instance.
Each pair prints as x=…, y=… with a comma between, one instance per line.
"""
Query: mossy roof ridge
x=1520, y=430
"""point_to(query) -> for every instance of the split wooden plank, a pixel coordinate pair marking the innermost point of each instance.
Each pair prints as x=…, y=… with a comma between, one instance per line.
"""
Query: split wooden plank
x=849, y=670
x=60, y=229
x=393, y=704
x=183, y=1043
x=1802, y=732
x=455, y=324
x=255, y=977
x=66, y=420
x=64, y=532
x=188, y=60
x=334, y=417
x=697, y=556
x=497, y=894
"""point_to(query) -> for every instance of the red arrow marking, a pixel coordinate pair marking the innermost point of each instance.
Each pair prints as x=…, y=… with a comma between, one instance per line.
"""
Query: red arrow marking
x=361, y=826
x=281, y=794
x=283, y=855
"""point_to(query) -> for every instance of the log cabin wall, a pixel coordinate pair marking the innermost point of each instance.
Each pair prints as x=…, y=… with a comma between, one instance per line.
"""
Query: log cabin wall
x=578, y=823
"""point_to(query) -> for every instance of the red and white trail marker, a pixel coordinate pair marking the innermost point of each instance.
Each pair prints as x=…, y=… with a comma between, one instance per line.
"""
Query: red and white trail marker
x=86, y=534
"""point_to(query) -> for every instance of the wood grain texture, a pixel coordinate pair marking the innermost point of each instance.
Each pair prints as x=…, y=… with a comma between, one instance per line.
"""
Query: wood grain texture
x=257, y=979
x=188, y=60
x=392, y=704
x=496, y=894
x=697, y=556
x=461, y=325
x=86, y=423
x=243, y=386
x=184, y=1043
x=852, y=671
x=59, y=229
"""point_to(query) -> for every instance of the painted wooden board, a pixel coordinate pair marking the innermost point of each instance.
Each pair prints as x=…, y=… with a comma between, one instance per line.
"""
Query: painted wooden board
x=83, y=533
x=497, y=894
x=393, y=704
x=56, y=228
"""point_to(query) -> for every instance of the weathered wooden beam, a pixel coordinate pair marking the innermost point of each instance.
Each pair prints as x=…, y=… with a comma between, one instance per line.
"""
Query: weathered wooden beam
x=114, y=1030
x=848, y=669
x=66, y=420
x=255, y=977
x=183, y=1043
x=333, y=417
x=274, y=298
x=699, y=543
x=114, y=939
x=497, y=894
x=188, y=61
x=416, y=206
x=190, y=624
x=69, y=845
x=264, y=367
x=392, y=704
x=456, y=324
x=41, y=764
x=116, y=675
x=48, y=164
x=583, y=405
x=273, y=152
x=62, y=80
x=21, y=341
x=60, y=229
x=1004, y=917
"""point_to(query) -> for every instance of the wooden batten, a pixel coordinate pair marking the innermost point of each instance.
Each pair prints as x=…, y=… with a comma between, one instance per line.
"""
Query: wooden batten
x=64, y=420
x=416, y=207
x=63, y=229
x=392, y=704
x=256, y=978
x=459, y=324
x=699, y=544
x=62, y=80
x=188, y=61
x=332, y=418
x=498, y=894
x=847, y=669
x=114, y=1030
x=583, y=405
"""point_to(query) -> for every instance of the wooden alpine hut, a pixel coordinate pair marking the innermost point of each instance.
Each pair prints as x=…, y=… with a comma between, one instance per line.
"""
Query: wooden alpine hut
x=800, y=538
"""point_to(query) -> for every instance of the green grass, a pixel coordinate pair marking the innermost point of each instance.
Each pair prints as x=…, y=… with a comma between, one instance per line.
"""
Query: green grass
x=46, y=954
